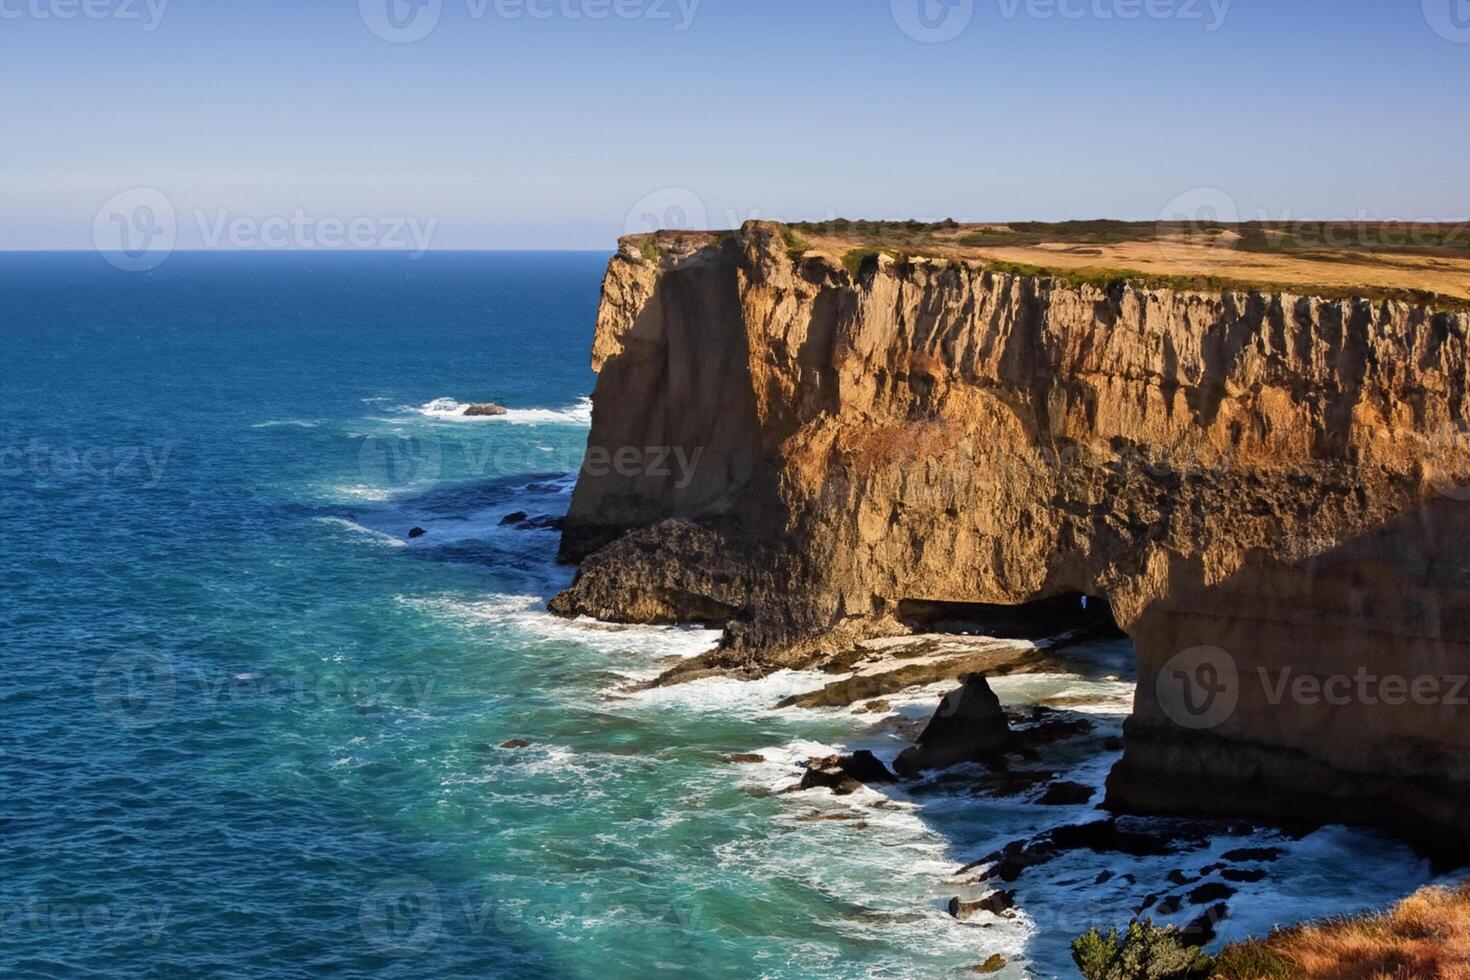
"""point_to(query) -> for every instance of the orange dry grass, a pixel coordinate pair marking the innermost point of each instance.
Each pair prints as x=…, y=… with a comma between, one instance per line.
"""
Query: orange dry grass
x=1424, y=937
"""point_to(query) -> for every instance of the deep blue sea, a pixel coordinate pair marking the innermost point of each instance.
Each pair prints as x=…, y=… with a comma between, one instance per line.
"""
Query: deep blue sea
x=250, y=727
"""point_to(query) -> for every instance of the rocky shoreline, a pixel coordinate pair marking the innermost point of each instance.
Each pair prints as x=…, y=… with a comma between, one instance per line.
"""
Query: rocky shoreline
x=904, y=442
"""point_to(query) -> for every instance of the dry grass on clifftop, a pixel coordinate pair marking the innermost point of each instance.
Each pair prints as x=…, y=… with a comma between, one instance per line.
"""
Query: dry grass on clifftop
x=1424, y=937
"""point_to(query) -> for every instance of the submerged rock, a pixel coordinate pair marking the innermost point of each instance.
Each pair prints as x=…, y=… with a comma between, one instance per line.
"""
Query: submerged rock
x=999, y=903
x=516, y=743
x=968, y=726
x=745, y=757
x=1066, y=794
x=845, y=774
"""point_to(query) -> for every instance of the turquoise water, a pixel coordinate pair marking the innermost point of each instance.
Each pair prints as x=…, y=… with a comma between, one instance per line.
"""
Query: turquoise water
x=252, y=728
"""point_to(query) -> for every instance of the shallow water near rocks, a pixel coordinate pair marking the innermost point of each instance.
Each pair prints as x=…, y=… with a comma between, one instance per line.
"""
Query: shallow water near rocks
x=252, y=727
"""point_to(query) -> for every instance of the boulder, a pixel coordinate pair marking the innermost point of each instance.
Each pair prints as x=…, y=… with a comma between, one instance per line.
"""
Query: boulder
x=968, y=727
x=484, y=410
x=845, y=774
x=999, y=903
x=1066, y=794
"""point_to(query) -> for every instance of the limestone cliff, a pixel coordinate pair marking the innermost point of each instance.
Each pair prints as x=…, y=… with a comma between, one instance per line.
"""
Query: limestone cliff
x=1277, y=478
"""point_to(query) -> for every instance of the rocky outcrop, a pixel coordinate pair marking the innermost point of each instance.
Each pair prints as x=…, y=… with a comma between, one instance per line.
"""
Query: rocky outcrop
x=1257, y=483
x=968, y=726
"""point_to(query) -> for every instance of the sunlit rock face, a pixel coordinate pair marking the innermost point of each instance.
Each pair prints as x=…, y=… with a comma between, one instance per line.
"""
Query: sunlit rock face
x=1265, y=487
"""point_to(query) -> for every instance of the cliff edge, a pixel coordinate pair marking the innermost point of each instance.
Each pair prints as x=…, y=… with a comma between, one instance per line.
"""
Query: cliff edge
x=1270, y=490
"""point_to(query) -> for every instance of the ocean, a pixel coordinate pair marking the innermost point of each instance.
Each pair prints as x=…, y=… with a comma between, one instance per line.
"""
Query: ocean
x=253, y=724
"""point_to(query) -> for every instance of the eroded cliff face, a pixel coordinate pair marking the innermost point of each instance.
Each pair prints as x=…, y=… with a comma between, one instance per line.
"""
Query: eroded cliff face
x=1262, y=486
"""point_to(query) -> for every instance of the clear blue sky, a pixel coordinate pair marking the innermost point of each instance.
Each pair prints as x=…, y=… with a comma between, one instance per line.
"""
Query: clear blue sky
x=547, y=132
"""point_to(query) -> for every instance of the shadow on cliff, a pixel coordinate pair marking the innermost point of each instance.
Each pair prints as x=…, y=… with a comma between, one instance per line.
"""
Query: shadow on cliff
x=1334, y=689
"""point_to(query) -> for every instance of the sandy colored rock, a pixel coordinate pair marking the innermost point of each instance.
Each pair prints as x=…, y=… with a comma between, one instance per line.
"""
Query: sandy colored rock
x=1277, y=477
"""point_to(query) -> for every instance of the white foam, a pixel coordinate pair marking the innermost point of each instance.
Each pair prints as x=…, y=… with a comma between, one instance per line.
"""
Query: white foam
x=527, y=613
x=286, y=423
x=356, y=528
x=453, y=410
x=727, y=694
x=361, y=492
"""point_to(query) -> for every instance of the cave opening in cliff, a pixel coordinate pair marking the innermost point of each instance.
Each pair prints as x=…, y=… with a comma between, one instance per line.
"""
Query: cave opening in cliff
x=1072, y=611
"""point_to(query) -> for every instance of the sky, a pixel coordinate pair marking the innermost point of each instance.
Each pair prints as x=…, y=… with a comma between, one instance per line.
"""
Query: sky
x=566, y=123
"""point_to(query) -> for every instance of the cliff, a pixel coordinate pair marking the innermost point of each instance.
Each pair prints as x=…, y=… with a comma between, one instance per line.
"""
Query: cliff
x=1265, y=487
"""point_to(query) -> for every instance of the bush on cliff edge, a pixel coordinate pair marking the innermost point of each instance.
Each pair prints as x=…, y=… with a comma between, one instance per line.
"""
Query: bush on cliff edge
x=1144, y=952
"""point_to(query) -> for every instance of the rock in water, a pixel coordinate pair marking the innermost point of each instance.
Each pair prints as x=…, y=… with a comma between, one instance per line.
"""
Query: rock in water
x=995, y=964
x=514, y=517
x=996, y=903
x=1066, y=794
x=844, y=774
x=417, y=532
x=484, y=409
x=968, y=726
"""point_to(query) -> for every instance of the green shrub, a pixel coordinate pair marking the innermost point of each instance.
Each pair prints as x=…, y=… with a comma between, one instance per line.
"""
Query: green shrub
x=1144, y=952
x=795, y=244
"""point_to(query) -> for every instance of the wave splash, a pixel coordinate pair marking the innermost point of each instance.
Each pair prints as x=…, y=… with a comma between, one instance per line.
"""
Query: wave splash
x=452, y=410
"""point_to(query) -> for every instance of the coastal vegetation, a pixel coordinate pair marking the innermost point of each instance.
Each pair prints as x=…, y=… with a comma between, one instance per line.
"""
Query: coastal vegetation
x=1424, y=937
